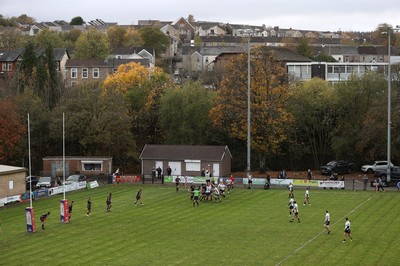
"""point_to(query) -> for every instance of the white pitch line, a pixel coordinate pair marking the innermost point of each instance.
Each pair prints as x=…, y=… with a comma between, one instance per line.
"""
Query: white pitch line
x=310, y=240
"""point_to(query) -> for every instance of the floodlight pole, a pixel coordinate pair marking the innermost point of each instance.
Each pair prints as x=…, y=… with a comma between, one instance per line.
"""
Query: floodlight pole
x=63, y=156
x=29, y=159
x=389, y=123
x=248, y=110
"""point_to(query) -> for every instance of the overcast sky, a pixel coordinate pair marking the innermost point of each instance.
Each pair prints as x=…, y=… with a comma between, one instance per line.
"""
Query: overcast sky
x=345, y=15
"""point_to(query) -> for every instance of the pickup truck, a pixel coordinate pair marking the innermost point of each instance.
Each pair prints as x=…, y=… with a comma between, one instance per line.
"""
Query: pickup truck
x=337, y=167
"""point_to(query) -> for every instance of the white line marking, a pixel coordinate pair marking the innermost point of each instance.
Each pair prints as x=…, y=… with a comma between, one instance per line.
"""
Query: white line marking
x=310, y=240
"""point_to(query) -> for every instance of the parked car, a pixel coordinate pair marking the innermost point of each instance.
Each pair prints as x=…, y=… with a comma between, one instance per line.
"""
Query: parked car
x=75, y=178
x=337, y=167
x=35, y=180
x=376, y=166
x=44, y=181
x=394, y=174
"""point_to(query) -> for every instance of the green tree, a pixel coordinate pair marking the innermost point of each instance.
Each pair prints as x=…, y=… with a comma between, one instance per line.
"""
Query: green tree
x=361, y=105
x=11, y=39
x=314, y=111
x=28, y=63
x=77, y=21
x=153, y=37
x=41, y=144
x=47, y=37
x=92, y=44
x=184, y=114
x=73, y=35
x=303, y=48
x=97, y=123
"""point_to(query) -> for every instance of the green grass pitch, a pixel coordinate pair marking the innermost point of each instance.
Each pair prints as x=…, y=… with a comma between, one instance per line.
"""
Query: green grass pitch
x=249, y=227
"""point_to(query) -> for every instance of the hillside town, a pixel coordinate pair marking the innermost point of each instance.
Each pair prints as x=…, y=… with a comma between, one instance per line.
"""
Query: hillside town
x=198, y=47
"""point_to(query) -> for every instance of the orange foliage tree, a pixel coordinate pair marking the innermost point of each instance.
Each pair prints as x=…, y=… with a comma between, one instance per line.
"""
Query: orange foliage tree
x=12, y=128
x=269, y=95
x=142, y=88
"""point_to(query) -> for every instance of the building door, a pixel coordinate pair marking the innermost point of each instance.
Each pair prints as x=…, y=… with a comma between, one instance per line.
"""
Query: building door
x=215, y=172
x=160, y=164
x=175, y=167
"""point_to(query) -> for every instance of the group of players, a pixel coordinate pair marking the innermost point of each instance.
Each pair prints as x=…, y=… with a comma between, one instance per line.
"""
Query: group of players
x=294, y=213
x=209, y=191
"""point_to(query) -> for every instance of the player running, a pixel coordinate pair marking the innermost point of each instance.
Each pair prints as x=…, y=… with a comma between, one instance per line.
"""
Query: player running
x=327, y=222
x=290, y=187
x=291, y=204
x=347, y=230
x=108, y=202
x=177, y=181
x=196, y=193
x=295, y=212
x=139, y=197
x=221, y=187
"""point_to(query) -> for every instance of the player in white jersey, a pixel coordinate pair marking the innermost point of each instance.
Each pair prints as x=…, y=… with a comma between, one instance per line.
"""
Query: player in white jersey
x=327, y=222
x=290, y=204
x=307, y=198
x=295, y=212
x=347, y=230
x=290, y=187
x=221, y=187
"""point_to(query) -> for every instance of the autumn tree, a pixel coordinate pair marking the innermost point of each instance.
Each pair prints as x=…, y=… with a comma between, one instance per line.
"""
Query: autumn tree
x=269, y=95
x=115, y=36
x=92, y=44
x=12, y=129
x=132, y=38
x=184, y=114
x=154, y=37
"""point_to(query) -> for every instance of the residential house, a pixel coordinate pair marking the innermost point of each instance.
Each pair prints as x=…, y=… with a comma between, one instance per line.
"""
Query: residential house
x=80, y=71
x=186, y=30
x=186, y=160
x=140, y=54
x=9, y=59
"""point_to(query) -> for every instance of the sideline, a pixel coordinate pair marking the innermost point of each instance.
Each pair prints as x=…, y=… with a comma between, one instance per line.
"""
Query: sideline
x=323, y=231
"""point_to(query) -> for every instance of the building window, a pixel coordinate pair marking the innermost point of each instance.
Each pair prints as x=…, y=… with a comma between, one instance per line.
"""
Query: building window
x=92, y=166
x=74, y=73
x=9, y=66
x=95, y=73
x=192, y=165
x=4, y=67
x=84, y=73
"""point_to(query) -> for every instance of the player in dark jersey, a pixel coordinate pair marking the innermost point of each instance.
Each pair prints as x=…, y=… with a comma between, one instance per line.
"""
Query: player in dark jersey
x=139, y=197
x=89, y=207
x=70, y=205
x=108, y=202
x=43, y=218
